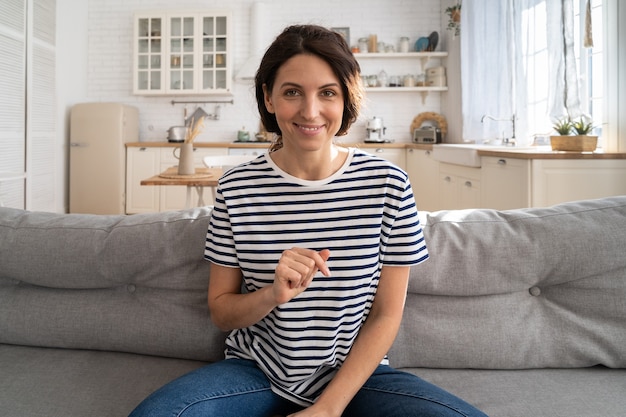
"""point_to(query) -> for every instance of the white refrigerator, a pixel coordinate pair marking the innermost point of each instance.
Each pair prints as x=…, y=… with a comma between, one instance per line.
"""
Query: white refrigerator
x=97, y=172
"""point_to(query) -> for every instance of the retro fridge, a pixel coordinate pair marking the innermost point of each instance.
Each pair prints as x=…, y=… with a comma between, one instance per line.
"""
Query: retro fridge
x=97, y=172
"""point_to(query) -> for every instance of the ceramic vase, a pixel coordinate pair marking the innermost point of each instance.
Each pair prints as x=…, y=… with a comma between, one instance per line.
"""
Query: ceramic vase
x=185, y=159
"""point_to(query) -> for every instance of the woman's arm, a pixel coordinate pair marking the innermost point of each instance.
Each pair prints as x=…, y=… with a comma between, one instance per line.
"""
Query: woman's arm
x=371, y=345
x=230, y=309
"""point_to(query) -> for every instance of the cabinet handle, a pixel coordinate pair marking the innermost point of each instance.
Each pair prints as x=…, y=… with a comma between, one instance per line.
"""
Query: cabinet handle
x=468, y=184
x=501, y=161
x=379, y=150
x=142, y=149
x=447, y=179
x=427, y=153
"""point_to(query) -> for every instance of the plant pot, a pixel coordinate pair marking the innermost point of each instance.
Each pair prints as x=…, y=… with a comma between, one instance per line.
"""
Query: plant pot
x=574, y=143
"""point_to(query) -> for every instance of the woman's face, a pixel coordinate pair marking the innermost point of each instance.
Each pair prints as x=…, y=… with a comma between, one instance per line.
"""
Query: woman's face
x=307, y=101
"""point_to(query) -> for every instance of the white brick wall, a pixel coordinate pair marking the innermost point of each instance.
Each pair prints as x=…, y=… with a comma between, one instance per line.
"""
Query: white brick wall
x=110, y=58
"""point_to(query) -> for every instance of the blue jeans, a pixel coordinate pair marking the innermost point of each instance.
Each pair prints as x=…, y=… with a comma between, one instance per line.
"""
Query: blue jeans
x=237, y=388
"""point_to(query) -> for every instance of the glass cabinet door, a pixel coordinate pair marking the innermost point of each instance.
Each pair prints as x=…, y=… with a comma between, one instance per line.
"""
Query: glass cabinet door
x=214, y=53
x=181, y=54
x=149, y=45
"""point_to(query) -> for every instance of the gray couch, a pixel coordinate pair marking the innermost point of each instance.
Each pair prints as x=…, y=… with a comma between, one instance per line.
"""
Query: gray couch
x=522, y=312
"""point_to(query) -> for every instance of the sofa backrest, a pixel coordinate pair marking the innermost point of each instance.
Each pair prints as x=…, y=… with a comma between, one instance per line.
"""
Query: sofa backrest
x=529, y=288
x=533, y=288
x=122, y=283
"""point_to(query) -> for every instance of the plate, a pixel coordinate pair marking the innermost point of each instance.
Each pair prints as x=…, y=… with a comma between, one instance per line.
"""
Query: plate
x=433, y=39
x=421, y=45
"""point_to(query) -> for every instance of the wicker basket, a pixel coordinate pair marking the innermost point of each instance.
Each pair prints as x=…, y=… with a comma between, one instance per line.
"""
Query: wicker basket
x=574, y=143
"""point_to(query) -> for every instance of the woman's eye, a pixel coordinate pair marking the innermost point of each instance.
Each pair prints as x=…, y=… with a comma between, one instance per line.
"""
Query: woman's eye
x=291, y=93
x=328, y=93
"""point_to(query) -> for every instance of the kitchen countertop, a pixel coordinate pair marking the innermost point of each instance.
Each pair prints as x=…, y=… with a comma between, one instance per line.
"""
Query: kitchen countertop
x=539, y=152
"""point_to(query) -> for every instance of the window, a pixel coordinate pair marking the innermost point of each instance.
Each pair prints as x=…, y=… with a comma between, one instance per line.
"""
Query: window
x=526, y=59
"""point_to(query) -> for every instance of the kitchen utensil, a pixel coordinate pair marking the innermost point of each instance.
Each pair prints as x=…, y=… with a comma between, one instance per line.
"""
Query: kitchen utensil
x=177, y=133
x=195, y=116
x=243, y=135
x=433, y=39
x=421, y=44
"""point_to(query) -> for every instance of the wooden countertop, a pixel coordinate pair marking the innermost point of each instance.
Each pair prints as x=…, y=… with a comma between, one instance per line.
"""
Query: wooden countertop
x=544, y=152
x=540, y=152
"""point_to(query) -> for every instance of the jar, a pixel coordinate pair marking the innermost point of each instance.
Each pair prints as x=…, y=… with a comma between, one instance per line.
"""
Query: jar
x=404, y=44
x=409, y=80
x=373, y=43
x=382, y=79
x=394, y=81
x=363, y=42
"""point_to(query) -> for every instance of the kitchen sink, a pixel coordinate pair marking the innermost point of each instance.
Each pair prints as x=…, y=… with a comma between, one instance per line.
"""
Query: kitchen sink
x=467, y=154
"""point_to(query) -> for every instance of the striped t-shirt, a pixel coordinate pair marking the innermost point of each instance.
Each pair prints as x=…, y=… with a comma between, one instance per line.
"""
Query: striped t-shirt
x=364, y=214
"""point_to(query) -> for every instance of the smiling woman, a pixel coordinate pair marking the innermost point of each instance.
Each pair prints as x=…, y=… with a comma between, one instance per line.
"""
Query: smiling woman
x=322, y=238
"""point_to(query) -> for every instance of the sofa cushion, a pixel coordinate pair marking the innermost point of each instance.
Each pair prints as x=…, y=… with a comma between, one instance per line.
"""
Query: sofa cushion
x=121, y=283
x=580, y=392
x=40, y=382
x=533, y=288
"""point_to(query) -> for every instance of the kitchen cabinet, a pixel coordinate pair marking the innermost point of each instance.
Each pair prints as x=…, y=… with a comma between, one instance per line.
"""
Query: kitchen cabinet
x=423, y=172
x=459, y=187
x=505, y=183
x=557, y=180
x=393, y=155
x=144, y=162
x=141, y=163
x=182, y=53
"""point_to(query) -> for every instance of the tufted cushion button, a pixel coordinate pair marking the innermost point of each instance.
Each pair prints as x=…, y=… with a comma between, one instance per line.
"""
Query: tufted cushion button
x=534, y=291
x=131, y=288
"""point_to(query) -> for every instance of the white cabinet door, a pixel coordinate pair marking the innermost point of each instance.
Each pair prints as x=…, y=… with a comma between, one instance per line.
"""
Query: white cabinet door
x=141, y=163
x=460, y=187
x=505, y=183
x=556, y=181
x=394, y=155
x=423, y=171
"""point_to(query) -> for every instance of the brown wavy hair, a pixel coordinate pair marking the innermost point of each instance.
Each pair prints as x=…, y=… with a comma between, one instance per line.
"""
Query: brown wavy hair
x=323, y=43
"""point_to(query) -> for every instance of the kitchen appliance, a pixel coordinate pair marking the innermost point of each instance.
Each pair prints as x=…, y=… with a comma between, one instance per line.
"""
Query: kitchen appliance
x=97, y=172
x=427, y=134
x=177, y=134
x=375, y=130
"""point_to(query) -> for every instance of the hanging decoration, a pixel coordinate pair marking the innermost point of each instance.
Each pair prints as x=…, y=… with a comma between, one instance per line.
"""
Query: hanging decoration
x=588, y=41
x=454, y=18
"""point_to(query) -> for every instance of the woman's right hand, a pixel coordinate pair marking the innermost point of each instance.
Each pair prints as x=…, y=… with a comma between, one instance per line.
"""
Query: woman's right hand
x=295, y=271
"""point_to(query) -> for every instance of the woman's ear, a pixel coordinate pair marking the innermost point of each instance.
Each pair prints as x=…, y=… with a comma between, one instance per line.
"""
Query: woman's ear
x=267, y=99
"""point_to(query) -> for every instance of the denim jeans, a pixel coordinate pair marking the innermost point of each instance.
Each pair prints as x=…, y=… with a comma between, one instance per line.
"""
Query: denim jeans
x=237, y=388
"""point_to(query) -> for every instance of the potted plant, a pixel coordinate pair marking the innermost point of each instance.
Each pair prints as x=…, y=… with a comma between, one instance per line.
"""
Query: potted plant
x=454, y=21
x=580, y=142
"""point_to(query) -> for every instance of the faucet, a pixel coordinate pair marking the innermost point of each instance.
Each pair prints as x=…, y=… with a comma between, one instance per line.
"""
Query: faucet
x=506, y=141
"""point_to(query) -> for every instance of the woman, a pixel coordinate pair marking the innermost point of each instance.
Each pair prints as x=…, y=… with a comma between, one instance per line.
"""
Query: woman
x=322, y=237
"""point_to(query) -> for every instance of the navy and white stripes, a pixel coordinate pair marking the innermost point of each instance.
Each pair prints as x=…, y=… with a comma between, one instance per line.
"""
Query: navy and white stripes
x=364, y=214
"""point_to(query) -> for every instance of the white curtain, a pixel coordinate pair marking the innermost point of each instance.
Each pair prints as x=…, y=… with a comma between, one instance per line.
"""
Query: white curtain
x=517, y=60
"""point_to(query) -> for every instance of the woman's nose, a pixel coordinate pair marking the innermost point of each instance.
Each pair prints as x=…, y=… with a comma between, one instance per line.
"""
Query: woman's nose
x=310, y=107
